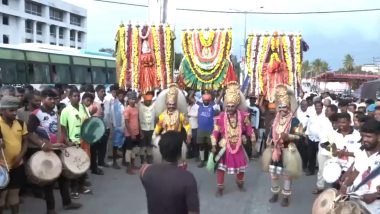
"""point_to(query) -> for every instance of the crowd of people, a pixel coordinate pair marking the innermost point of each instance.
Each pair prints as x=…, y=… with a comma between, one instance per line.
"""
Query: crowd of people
x=222, y=129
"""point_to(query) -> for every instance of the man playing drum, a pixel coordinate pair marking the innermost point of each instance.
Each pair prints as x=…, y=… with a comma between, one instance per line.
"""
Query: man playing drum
x=42, y=126
x=13, y=141
x=72, y=117
x=366, y=161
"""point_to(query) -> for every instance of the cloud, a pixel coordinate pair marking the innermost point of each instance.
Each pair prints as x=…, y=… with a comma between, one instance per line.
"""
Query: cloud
x=330, y=36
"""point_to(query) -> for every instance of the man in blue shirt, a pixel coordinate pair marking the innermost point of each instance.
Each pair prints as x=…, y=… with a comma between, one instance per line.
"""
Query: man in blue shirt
x=206, y=112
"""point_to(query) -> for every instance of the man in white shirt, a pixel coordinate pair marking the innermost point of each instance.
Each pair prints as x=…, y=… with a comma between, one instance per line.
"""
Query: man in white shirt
x=345, y=144
x=146, y=118
x=343, y=108
x=366, y=161
x=192, y=113
x=313, y=130
x=324, y=154
x=303, y=117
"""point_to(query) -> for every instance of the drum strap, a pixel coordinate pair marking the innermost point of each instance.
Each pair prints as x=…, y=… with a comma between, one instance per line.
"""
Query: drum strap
x=371, y=176
x=143, y=169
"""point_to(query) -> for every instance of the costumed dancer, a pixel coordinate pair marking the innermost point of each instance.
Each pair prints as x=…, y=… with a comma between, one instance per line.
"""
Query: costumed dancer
x=147, y=75
x=281, y=158
x=146, y=117
x=172, y=108
x=227, y=137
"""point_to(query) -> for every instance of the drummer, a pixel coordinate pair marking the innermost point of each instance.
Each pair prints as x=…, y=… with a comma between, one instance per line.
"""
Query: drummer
x=71, y=119
x=42, y=125
x=366, y=161
x=13, y=141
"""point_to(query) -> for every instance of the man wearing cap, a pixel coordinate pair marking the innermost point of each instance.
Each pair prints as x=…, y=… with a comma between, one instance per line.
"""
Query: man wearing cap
x=132, y=132
x=146, y=117
x=206, y=112
x=13, y=141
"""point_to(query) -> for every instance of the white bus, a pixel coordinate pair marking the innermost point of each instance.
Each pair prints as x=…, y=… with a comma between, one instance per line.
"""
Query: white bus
x=35, y=63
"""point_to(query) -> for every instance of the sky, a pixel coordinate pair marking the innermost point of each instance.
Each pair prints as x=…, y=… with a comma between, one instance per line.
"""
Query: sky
x=329, y=36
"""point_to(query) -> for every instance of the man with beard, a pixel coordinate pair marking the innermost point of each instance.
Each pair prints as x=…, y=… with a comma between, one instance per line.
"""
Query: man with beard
x=13, y=141
x=281, y=158
x=366, y=161
x=43, y=129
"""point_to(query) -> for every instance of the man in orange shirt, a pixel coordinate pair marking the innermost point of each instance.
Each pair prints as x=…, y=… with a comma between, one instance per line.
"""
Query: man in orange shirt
x=132, y=132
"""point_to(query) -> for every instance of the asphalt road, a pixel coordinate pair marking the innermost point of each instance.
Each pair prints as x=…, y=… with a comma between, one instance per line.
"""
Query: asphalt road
x=116, y=192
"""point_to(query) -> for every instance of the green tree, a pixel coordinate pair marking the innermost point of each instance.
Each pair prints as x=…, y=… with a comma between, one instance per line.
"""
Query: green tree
x=236, y=66
x=177, y=60
x=306, y=68
x=348, y=63
x=108, y=50
x=319, y=66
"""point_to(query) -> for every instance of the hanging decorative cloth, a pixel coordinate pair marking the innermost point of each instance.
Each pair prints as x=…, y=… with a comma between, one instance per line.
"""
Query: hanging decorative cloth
x=206, y=58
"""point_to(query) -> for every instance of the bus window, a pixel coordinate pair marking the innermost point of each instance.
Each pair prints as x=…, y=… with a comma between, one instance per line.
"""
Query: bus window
x=111, y=75
x=99, y=75
x=60, y=74
x=81, y=74
x=12, y=72
x=39, y=73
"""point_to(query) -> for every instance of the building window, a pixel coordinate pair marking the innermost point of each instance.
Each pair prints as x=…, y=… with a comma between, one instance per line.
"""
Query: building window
x=72, y=35
x=39, y=41
x=52, y=31
x=33, y=8
x=29, y=26
x=5, y=20
x=79, y=37
x=5, y=39
x=28, y=41
x=39, y=28
x=5, y=2
x=53, y=43
x=75, y=20
x=61, y=33
x=72, y=46
x=79, y=48
x=56, y=14
x=60, y=44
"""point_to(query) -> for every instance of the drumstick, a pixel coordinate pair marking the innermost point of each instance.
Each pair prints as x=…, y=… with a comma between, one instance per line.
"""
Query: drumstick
x=5, y=161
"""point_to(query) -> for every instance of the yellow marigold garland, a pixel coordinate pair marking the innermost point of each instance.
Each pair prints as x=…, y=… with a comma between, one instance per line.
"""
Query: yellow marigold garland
x=298, y=55
x=135, y=46
x=210, y=39
x=168, y=49
x=122, y=55
x=248, y=54
x=287, y=59
x=157, y=53
x=191, y=54
x=261, y=61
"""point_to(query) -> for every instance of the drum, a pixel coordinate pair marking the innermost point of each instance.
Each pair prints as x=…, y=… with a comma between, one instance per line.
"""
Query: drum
x=92, y=130
x=349, y=207
x=324, y=203
x=332, y=171
x=75, y=162
x=4, y=177
x=43, y=168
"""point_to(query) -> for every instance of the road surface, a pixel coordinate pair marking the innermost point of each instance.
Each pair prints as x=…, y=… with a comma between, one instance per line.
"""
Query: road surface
x=116, y=192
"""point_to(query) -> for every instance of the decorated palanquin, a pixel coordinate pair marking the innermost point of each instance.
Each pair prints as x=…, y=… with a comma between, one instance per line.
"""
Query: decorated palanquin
x=144, y=56
x=272, y=60
x=206, y=63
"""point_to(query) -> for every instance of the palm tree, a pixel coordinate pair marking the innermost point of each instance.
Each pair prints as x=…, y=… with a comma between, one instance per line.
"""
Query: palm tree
x=306, y=68
x=319, y=66
x=348, y=63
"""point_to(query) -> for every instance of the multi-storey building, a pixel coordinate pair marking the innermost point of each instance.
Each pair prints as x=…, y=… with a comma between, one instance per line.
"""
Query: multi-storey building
x=53, y=22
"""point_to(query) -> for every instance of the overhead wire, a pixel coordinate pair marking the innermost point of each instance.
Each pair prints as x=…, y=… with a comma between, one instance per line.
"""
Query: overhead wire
x=251, y=12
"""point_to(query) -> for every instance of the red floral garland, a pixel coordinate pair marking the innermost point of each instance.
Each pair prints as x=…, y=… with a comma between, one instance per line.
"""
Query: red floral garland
x=161, y=34
x=128, y=54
